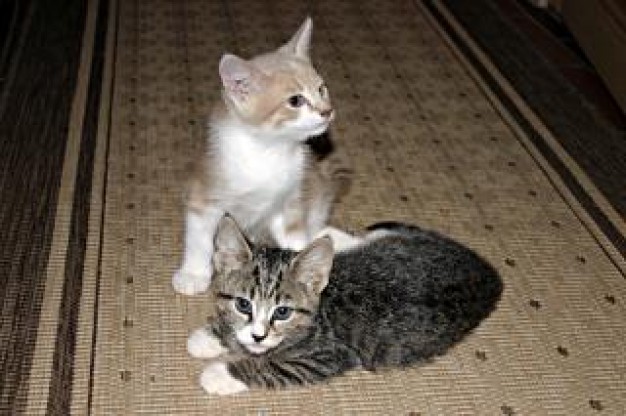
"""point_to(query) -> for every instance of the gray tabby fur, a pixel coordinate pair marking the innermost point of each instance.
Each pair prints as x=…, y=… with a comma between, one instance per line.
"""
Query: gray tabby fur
x=401, y=297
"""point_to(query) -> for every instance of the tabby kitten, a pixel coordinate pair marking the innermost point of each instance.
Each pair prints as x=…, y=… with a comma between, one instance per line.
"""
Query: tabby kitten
x=258, y=165
x=398, y=296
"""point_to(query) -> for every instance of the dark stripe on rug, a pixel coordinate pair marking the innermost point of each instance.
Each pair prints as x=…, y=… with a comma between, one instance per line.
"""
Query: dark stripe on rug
x=34, y=118
x=607, y=227
x=13, y=21
x=60, y=393
x=92, y=363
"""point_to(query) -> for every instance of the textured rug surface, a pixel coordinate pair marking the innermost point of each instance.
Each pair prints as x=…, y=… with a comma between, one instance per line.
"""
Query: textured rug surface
x=430, y=144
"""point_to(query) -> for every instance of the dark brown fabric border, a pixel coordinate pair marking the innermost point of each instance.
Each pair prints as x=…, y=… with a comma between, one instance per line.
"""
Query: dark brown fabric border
x=60, y=393
x=44, y=58
x=607, y=227
x=14, y=19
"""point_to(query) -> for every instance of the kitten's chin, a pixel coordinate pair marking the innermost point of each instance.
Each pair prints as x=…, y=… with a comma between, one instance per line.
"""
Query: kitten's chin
x=256, y=349
x=308, y=130
x=262, y=348
x=316, y=131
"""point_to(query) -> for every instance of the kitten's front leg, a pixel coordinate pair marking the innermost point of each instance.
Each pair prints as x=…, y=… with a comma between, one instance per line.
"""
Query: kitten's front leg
x=288, y=227
x=195, y=273
x=289, y=232
x=203, y=343
x=216, y=379
x=314, y=365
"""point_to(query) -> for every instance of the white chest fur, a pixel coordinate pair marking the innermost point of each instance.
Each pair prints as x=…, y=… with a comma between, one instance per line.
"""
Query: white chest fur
x=257, y=173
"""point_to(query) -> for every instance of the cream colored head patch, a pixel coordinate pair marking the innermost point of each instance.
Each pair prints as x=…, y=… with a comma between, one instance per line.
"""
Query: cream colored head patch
x=278, y=92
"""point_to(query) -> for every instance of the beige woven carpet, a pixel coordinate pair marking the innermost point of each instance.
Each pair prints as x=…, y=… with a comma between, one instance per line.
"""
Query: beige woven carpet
x=430, y=145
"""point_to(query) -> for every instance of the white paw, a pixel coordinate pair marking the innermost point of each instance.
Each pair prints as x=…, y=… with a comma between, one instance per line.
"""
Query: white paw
x=216, y=379
x=202, y=344
x=190, y=284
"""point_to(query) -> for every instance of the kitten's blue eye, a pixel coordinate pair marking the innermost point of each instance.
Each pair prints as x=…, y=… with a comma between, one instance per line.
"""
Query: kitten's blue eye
x=243, y=305
x=297, y=100
x=282, y=313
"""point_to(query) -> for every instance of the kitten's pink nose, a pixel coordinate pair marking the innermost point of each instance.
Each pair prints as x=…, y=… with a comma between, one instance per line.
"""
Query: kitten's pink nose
x=258, y=338
x=327, y=113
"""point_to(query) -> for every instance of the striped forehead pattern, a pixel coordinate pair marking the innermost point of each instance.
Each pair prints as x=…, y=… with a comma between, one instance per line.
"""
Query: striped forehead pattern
x=270, y=268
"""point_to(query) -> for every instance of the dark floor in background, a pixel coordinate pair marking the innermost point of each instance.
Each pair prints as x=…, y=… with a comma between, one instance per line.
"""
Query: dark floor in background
x=555, y=42
x=540, y=59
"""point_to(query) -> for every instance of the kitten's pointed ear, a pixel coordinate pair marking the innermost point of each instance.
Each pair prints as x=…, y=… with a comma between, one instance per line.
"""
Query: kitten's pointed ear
x=231, y=248
x=239, y=77
x=301, y=41
x=312, y=265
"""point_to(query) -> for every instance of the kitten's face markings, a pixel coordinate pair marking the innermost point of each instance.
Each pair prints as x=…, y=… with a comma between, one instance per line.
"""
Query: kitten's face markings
x=263, y=329
x=262, y=305
x=279, y=93
x=316, y=99
x=278, y=294
x=258, y=292
x=306, y=108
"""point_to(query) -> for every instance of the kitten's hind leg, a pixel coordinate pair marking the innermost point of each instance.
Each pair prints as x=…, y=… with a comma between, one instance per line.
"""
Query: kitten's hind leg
x=342, y=241
x=195, y=273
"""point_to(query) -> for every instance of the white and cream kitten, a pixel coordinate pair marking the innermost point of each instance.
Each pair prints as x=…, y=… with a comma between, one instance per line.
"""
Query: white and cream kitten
x=258, y=166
